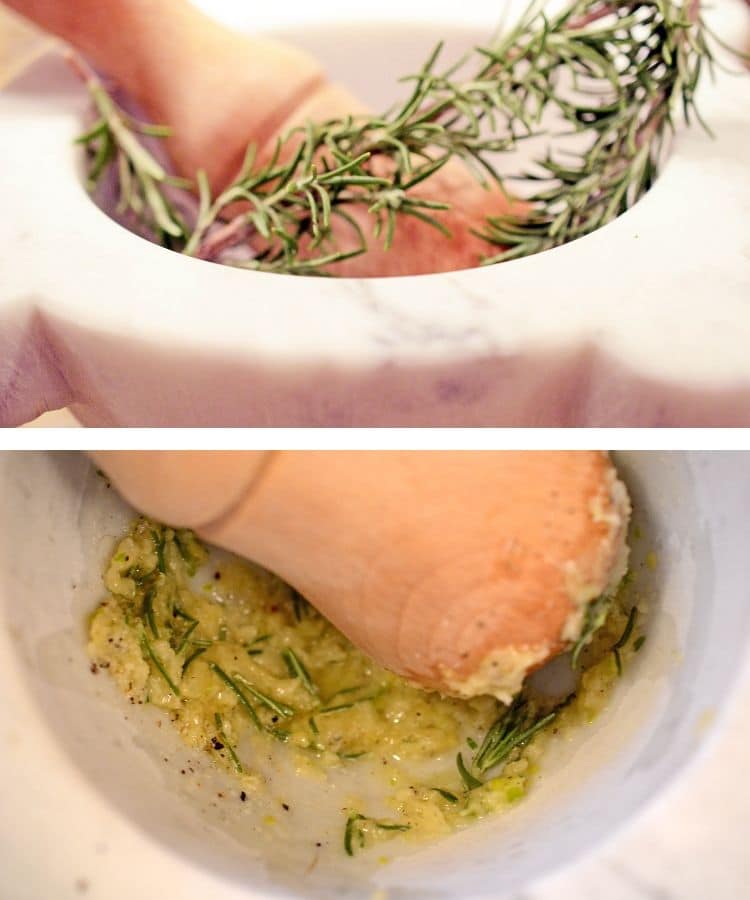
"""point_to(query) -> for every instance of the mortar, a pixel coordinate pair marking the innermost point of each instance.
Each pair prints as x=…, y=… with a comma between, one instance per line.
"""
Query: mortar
x=84, y=778
x=644, y=322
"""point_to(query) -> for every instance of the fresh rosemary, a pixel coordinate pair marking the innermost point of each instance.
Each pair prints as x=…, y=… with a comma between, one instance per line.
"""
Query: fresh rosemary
x=151, y=654
x=470, y=781
x=239, y=693
x=225, y=741
x=116, y=140
x=187, y=634
x=610, y=74
x=297, y=669
x=446, y=795
x=624, y=638
x=281, y=709
x=148, y=611
x=300, y=605
x=594, y=617
x=512, y=730
x=159, y=543
x=338, y=707
x=355, y=830
x=191, y=659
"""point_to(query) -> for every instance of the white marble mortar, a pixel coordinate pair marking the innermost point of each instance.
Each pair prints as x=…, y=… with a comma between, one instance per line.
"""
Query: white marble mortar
x=646, y=322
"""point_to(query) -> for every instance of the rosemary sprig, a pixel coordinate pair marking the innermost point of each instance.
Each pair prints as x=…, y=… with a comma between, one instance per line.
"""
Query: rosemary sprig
x=116, y=140
x=513, y=729
x=628, y=66
x=610, y=73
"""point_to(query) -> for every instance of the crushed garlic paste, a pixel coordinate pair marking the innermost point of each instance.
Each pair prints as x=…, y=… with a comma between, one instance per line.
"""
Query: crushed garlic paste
x=237, y=659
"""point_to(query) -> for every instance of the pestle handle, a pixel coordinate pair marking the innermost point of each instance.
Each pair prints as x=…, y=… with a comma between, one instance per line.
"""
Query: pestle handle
x=460, y=570
x=181, y=65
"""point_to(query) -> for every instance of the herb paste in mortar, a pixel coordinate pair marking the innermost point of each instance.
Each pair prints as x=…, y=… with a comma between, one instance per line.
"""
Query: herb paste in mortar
x=239, y=660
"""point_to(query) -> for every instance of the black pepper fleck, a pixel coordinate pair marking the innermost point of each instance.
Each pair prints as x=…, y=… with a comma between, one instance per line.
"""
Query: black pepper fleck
x=243, y=796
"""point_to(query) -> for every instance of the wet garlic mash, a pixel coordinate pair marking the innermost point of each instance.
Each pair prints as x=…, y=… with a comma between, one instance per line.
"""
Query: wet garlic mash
x=237, y=659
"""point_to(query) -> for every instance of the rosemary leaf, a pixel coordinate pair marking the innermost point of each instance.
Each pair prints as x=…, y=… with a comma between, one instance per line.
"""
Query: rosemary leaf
x=235, y=688
x=340, y=706
x=159, y=543
x=296, y=669
x=281, y=709
x=226, y=743
x=299, y=605
x=193, y=656
x=353, y=830
x=446, y=795
x=186, y=636
x=624, y=638
x=471, y=781
x=593, y=619
x=349, y=833
x=178, y=611
x=151, y=654
x=148, y=611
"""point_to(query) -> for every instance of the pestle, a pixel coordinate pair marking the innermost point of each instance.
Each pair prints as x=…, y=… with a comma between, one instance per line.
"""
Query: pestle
x=463, y=571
